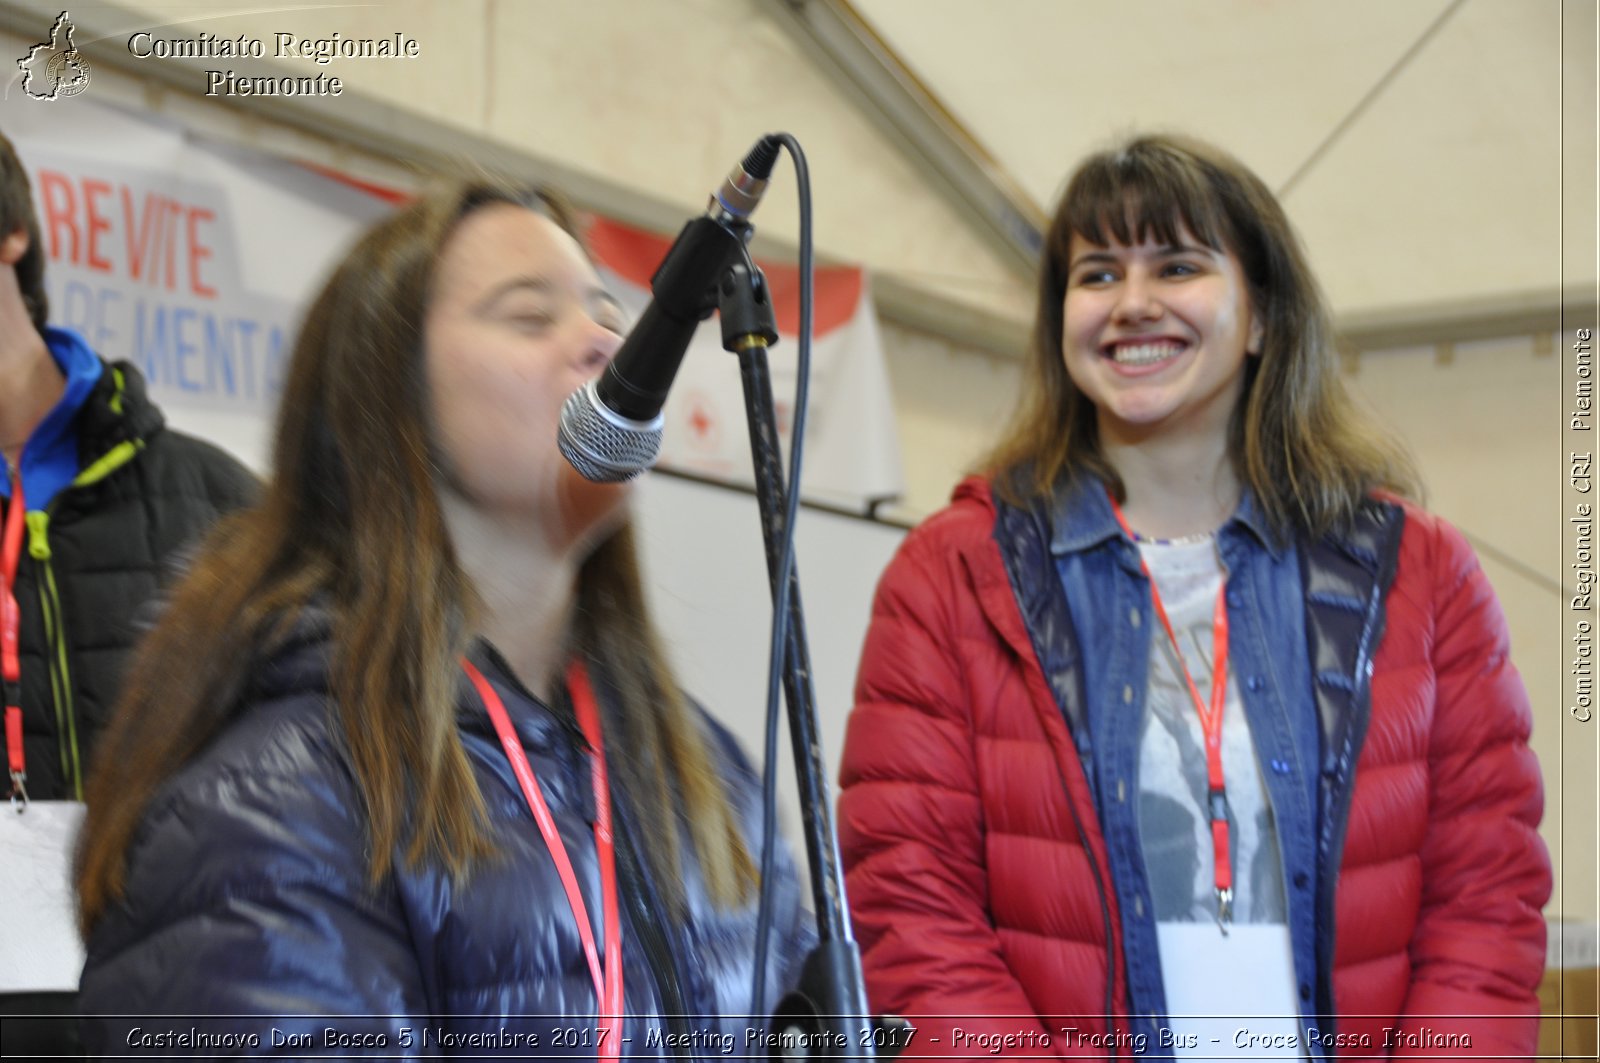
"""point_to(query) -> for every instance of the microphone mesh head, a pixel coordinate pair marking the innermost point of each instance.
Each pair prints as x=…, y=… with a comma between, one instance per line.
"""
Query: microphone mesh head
x=603, y=446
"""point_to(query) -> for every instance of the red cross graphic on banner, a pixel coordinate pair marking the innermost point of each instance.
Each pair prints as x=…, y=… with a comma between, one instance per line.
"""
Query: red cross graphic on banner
x=705, y=433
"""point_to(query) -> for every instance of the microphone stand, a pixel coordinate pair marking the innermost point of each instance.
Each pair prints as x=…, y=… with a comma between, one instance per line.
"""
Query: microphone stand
x=826, y=1016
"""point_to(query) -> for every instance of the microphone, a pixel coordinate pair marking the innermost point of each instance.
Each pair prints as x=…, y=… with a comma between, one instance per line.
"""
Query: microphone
x=611, y=427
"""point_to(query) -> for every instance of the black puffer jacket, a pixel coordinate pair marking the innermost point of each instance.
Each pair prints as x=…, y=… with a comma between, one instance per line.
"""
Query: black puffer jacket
x=94, y=558
x=248, y=908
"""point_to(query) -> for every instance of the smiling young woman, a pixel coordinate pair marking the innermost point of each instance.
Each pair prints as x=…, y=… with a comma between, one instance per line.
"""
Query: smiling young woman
x=1181, y=709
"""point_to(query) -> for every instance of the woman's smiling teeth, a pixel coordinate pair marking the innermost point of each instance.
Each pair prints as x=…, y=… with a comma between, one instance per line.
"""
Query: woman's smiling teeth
x=1145, y=353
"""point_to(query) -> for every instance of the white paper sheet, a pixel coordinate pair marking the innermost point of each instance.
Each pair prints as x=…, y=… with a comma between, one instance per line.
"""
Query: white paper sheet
x=40, y=950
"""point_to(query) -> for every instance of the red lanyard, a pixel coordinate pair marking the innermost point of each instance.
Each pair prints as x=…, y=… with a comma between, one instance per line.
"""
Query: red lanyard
x=607, y=982
x=1210, y=724
x=10, y=621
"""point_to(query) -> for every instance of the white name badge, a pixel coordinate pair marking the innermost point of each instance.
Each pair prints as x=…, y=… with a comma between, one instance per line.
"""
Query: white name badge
x=40, y=950
x=1230, y=997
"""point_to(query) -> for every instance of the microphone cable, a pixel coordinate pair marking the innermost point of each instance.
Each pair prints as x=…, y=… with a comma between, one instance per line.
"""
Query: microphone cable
x=780, y=602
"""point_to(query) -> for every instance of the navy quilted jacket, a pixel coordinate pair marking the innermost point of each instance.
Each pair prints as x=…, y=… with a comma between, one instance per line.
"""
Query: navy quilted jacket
x=247, y=907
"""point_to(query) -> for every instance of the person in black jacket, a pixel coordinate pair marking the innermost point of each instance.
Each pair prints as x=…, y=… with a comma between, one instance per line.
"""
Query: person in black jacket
x=110, y=497
x=331, y=761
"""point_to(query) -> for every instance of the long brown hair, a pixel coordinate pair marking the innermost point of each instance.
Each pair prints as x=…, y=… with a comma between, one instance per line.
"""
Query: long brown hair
x=352, y=522
x=1296, y=438
x=16, y=212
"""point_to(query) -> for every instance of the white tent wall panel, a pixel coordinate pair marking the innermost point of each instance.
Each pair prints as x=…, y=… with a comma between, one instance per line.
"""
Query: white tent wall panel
x=1283, y=73
x=675, y=93
x=1580, y=117
x=660, y=98
x=1427, y=199
x=948, y=402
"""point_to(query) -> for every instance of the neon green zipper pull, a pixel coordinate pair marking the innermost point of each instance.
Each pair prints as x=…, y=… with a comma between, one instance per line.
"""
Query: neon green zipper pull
x=39, y=535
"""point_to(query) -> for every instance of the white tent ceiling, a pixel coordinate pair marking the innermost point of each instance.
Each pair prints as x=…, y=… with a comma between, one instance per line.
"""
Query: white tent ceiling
x=1420, y=147
x=1438, y=156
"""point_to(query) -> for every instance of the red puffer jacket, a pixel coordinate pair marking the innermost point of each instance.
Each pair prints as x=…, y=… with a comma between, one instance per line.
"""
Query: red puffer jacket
x=977, y=869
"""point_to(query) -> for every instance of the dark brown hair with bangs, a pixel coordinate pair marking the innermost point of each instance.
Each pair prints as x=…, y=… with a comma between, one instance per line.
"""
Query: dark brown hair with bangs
x=1296, y=438
x=352, y=523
